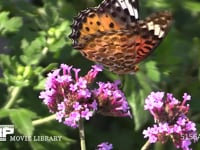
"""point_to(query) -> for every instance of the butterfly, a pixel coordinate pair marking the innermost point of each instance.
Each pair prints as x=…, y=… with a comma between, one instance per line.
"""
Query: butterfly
x=113, y=35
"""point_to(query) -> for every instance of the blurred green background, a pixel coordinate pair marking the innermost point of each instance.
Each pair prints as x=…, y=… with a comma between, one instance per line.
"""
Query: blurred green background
x=34, y=40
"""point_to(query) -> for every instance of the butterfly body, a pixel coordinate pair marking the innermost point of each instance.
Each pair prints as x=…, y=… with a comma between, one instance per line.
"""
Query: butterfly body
x=112, y=34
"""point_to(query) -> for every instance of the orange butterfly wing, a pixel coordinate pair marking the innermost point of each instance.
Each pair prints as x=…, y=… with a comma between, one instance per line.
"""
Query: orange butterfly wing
x=117, y=40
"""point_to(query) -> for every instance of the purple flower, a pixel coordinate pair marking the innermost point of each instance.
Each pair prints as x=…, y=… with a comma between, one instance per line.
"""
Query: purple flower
x=105, y=146
x=94, y=105
x=186, y=96
x=154, y=100
x=86, y=114
x=171, y=120
x=91, y=75
x=151, y=133
x=68, y=95
x=71, y=98
x=111, y=100
x=59, y=116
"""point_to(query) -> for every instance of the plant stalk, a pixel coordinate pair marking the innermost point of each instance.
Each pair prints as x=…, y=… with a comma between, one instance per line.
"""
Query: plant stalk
x=82, y=135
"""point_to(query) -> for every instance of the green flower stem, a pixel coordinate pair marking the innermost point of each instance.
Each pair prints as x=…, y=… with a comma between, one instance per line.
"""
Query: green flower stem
x=82, y=134
x=15, y=91
x=146, y=146
x=44, y=120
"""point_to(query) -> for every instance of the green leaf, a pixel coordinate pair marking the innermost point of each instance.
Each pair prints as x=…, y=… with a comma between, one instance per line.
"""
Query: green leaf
x=16, y=74
x=136, y=90
x=5, y=60
x=39, y=73
x=4, y=113
x=32, y=50
x=56, y=37
x=50, y=67
x=152, y=71
x=143, y=81
x=8, y=25
x=140, y=116
x=14, y=24
x=157, y=4
x=192, y=6
x=22, y=119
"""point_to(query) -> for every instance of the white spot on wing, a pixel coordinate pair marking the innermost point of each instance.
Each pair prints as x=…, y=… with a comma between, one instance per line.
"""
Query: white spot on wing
x=130, y=8
x=144, y=26
x=125, y=4
x=136, y=13
x=156, y=29
x=161, y=34
x=150, y=25
x=122, y=3
x=117, y=5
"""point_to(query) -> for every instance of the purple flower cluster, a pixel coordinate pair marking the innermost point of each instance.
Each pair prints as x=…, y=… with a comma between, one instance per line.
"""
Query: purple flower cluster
x=171, y=120
x=72, y=99
x=105, y=146
x=112, y=101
